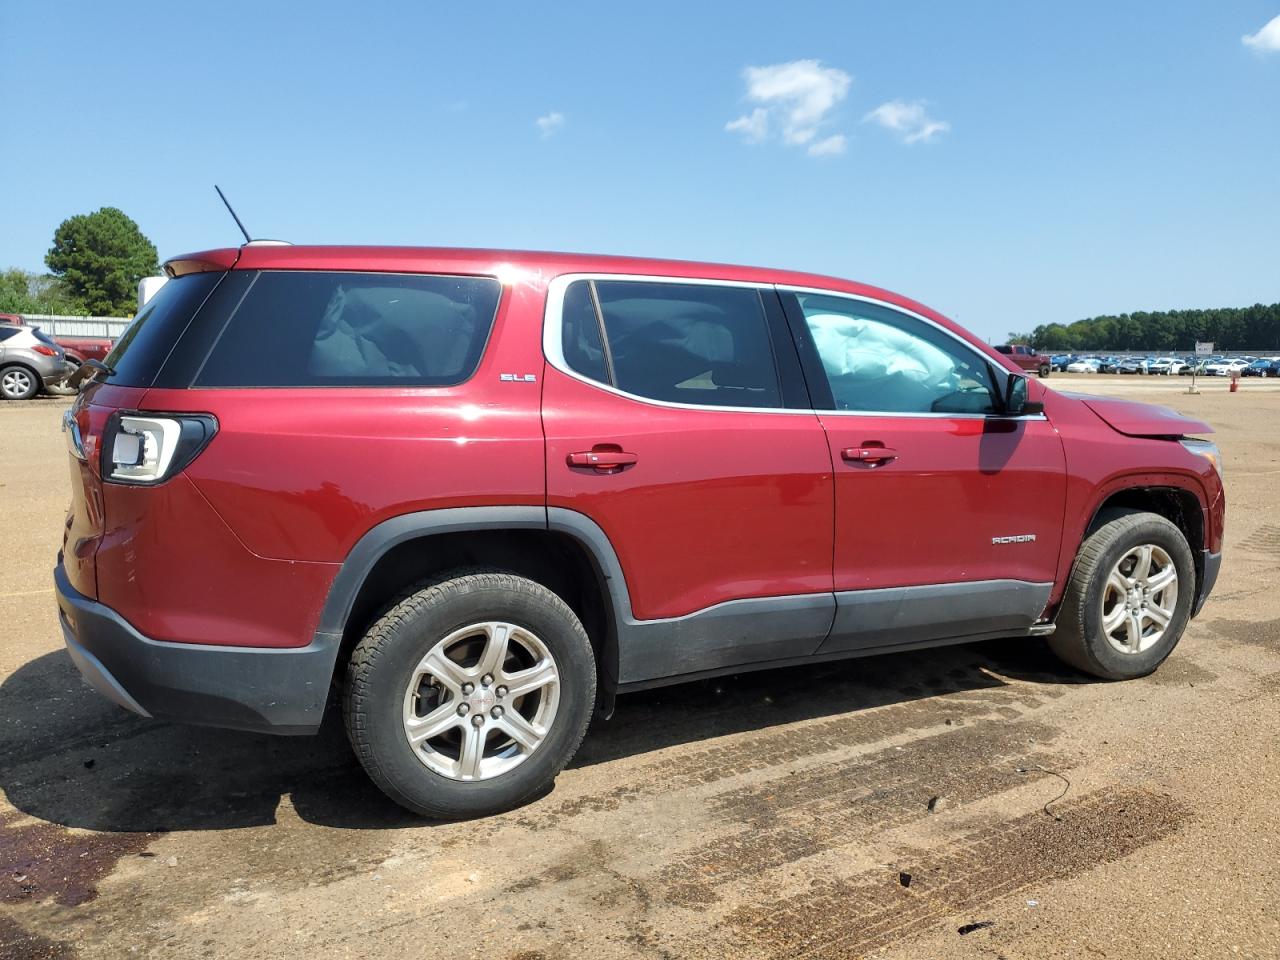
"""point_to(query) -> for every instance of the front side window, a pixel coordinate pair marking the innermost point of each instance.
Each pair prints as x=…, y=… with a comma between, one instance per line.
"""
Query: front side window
x=311, y=328
x=879, y=360
x=677, y=342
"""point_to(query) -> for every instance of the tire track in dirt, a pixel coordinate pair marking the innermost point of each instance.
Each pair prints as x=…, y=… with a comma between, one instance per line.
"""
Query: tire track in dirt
x=769, y=749
x=833, y=804
x=851, y=917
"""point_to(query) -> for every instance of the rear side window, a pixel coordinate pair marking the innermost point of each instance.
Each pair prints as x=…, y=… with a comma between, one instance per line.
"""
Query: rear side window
x=682, y=343
x=315, y=329
x=7, y=332
x=146, y=343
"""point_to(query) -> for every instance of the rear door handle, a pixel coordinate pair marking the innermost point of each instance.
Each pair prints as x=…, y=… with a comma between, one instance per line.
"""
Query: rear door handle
x=869, y=454
x=603, y=461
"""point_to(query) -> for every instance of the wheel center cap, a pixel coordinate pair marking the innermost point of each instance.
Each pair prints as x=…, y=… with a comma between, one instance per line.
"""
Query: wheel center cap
x=481, y=699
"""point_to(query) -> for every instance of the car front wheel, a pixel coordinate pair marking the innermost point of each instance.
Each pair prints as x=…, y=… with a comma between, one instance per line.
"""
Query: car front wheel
x=1129, y=598
x=470, y=694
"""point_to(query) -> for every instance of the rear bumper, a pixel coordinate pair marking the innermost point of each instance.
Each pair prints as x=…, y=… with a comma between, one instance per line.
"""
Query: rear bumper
x=1212, y=564
x=58, y=374
x=242, y=688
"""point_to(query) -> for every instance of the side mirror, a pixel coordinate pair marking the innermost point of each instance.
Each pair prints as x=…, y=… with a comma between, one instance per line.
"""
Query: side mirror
x=1016, y=403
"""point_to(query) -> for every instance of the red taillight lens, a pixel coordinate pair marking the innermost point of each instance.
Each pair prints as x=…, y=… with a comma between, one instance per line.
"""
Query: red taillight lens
x=44, y=351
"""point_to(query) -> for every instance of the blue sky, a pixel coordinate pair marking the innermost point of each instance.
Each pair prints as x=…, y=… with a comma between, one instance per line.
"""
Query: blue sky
x=1009, y=163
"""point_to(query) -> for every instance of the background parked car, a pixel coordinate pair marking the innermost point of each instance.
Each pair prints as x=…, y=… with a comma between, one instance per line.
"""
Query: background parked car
x=29, y=362
x=1198, y=366
x=1058, y=362
x=78, y=349
x=1225, y=368
x=1085, y=365
x=1166, y=365
x=1026, y=357
x=1132, y=365
x=1264, y=367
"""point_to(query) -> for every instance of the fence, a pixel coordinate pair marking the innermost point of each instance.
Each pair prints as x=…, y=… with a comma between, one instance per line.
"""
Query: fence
x=58, y=326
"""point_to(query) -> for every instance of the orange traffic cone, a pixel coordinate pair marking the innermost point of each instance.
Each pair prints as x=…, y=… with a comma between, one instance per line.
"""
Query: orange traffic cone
x=1235, y=383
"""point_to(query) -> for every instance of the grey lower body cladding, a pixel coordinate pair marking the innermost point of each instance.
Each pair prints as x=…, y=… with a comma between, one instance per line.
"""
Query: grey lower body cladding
x=744, y=634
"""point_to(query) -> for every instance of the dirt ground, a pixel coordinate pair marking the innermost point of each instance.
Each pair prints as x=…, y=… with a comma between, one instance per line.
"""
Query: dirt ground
x=777, y=815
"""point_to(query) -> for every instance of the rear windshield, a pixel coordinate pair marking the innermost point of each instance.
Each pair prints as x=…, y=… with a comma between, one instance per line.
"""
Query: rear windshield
x=311, y=328
x=145, y=344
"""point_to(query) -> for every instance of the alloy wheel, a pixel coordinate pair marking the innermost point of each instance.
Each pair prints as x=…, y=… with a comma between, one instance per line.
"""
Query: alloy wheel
x=481, y=701
x=15, y=384
x=1139, y=599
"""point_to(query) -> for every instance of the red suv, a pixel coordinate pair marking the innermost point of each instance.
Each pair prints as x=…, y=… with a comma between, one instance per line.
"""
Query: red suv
x=480, y=493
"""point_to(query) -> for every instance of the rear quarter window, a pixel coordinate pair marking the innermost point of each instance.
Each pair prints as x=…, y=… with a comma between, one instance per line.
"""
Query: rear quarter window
x=146, y=343
x=311, y=328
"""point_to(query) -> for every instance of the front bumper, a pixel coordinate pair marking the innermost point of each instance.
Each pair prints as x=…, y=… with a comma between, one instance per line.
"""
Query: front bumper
x=1211, y=564
x=242, y=688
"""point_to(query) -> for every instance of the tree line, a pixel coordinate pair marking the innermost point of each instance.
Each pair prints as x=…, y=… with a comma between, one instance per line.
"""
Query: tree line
x=1228, y=328
x=95, y=264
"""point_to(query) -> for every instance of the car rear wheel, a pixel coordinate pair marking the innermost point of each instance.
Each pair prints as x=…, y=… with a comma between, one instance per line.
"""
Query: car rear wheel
x=18, y=383
x=1129, y=598
x=470, y=694
x=1044, y=370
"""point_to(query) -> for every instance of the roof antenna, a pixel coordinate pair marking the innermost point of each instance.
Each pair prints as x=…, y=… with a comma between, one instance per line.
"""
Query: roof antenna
x=247, y=238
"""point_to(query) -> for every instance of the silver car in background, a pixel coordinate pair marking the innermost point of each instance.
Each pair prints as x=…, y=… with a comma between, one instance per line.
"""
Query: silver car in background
x=29, y=362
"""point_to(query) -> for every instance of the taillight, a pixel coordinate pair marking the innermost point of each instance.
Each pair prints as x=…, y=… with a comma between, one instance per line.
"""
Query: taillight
x=44, y=351
x=150, y=448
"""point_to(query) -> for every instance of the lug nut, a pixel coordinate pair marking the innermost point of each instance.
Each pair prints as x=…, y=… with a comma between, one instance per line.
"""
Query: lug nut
x=502, y=691
x=478, y=720
x=464, y=709
x=487, y=679
x=496, y=712
x=467, y=688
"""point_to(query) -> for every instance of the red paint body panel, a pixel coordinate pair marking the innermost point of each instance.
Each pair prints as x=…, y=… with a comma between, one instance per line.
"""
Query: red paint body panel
x=718, y=505
x=86, y=521
x=929, y=514
x=1101, y=462
x=177, y=572
x=1144, y=419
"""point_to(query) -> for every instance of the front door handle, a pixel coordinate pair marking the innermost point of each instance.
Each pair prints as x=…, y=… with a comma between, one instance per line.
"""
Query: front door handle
x=872, y=454
x=603, y=460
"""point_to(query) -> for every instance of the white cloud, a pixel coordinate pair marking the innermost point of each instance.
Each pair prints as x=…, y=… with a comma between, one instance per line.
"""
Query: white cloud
x=1266, y=40
x=754, y=125
x=796, y=98
x=550, y=124
x=828, y=147
x=908, y=120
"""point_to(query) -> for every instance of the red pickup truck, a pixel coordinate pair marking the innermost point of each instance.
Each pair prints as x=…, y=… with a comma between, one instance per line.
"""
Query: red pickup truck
x=1026, y=357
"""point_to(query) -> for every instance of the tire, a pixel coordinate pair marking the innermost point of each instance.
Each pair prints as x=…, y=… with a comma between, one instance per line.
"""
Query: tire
x=435, y=778
x=1081, y=640
x=18, y=383
x=1044, y=370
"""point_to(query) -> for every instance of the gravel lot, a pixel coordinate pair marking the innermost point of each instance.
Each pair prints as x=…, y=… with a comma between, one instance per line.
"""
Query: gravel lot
x=767, y=816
